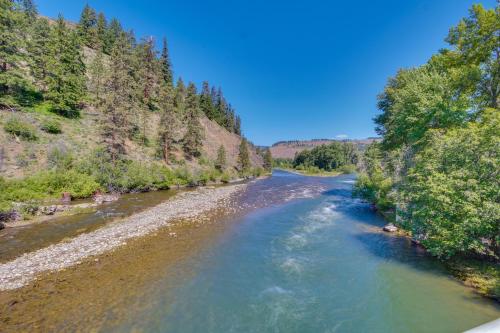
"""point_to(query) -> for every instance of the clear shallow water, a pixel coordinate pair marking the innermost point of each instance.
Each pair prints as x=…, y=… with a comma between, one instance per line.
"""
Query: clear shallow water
x=310, y=259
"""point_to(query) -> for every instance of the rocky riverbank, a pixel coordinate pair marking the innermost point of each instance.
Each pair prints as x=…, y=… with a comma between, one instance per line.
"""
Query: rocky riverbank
x=188, y=205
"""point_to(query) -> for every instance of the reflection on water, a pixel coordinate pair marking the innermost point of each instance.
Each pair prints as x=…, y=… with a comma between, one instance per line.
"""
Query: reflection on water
x=311, y=259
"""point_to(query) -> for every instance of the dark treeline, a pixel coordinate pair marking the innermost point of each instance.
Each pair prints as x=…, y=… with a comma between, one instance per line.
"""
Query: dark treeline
x=436, y=170
x=97, y=63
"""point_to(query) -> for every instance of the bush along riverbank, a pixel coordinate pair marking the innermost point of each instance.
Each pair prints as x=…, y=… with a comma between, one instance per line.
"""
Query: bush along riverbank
x=27, y=197
x=435, y=172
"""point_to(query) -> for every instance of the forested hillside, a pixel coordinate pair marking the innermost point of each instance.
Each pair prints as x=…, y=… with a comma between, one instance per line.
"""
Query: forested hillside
x=89, y=106
x=436, y=170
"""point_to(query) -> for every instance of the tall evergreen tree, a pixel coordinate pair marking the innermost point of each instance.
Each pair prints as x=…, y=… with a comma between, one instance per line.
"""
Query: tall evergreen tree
x=166, y=65
x=29, y=9
x=11, y=44
x=194, y=133
x=87, y=27
x=180, y=97
x=237, y=125
x=243, y=157
x=268, y=160
x=101, y=31
x=39, y=52
x=220, y=162
x=113, y=32
x=119, y=98
x=206, y=102
x=169, y=122
x=97, y=78
x=66, y=71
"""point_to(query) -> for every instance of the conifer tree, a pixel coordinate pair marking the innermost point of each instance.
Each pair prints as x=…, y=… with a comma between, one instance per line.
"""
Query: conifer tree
x=206, y=102
x=101, y=31
x=194, y=134
x=243, y=157
x=97, y=77
x=220, y=162
x=146, y=72
x=166, y=65
x=39, y=52
x=113, y=32
x=169, y=123
x=87, y=27
x=66, y=71
x=119, y=98
x=229, y=118
x=268, y=160
x=29, y=9
x=180, y=97
x=237, y=125
x=11, y=44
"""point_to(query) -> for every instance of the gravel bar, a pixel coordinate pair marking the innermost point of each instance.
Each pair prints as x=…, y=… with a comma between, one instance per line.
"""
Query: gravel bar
x=20, y=271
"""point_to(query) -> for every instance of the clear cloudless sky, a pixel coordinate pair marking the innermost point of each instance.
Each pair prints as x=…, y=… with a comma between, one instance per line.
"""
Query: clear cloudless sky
x=292, y=69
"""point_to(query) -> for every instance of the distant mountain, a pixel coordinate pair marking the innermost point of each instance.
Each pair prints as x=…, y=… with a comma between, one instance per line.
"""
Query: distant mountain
x=288, y=149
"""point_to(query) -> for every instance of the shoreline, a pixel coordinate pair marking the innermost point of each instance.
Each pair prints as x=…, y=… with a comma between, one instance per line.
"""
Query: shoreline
x=184, y=206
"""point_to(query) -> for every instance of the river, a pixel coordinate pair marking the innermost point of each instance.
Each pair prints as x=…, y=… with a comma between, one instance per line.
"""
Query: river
x=304, y=256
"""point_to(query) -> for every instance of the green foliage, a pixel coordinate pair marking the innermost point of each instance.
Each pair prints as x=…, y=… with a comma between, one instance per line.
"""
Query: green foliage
x=220, y=162
x=20, y=128
x=66, y=77
x=268, y=160
x=327, y=157
x=166, y=65
x=87, y=27
x=45, y=185
x=194, y=135
x=244, y=163
x=60, y=158
x=285, y=163
x=51, y=126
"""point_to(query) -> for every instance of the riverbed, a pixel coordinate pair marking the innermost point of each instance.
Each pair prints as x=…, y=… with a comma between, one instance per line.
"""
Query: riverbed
x=298, y=255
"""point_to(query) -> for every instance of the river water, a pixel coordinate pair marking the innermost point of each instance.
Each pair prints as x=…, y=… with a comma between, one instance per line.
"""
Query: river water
x=301, y=256
x=310, y=259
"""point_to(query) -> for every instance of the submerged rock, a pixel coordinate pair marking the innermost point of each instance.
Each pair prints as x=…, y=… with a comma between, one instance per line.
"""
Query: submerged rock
x=101, y=198
x=390, y=228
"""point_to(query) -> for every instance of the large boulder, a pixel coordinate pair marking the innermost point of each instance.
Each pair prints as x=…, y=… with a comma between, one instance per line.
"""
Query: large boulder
x=390, y=228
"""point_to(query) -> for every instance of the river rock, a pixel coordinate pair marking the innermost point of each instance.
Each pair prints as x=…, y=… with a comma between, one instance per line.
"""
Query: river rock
x=2, y=225
x=390, y=228
x=48, y=210
x=101, y=198
x=66, y=197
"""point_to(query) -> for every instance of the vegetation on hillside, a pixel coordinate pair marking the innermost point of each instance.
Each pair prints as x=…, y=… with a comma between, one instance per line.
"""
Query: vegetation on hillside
x=67, y=72
x=436, y=170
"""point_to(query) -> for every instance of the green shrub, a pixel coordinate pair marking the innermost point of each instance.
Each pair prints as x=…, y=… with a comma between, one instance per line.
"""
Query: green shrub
x=21, y=129
x=59, y=158
x=51, y=126
x=349, y=168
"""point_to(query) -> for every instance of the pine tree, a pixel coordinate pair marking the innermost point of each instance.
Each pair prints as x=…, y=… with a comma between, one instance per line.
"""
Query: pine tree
x=220, y=162
x=146, y=72
x=180, y=97
x=243, y=157
x=119, y=98
x=87, y=27
x=166, y=65
x=268, y=160
x=229, y=118
x=12, y=79
x=39, y=52
x=206, y=102
x=194, y=134
x=113, y=32
x=29, y=9
x=97, y=78
x=101, y=32
x=237, y=125
x=169, y=123
x=66, y=71
x=221, y=107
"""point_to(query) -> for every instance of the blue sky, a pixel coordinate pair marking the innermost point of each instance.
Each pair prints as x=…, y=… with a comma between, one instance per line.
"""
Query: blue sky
x=292, y=69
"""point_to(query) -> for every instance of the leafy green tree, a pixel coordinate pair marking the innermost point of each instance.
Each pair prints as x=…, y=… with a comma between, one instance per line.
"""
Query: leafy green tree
x=453, y=192
x=243, y=157
x=268, y=160
x=166, y=65
x=221, y=162
x=66, y=71
x=194, y=134
x=87, y=27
